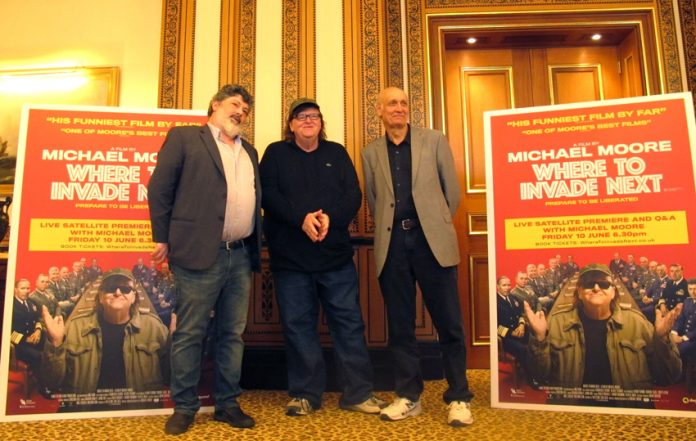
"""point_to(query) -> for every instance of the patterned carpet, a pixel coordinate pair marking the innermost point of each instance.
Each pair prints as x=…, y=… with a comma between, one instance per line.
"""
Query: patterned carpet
x=331, y=423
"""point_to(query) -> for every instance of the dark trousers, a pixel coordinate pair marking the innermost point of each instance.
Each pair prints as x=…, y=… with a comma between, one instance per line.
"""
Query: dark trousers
x=410, y=260
x=299, y=296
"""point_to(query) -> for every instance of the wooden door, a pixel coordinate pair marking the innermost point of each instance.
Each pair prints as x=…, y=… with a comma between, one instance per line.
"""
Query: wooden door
x=475, y=81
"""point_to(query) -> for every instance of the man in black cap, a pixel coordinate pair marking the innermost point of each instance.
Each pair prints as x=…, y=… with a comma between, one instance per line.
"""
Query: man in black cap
x=310, y=197
x=598, y=340
x=115, y=345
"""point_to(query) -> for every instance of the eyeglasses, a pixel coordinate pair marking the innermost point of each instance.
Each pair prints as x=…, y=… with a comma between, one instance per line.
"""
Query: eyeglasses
x=308, y=116
x=590, y=284
x=125, y=289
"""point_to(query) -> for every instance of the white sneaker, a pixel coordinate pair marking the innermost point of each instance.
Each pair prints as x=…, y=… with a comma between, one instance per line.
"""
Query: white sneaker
x=372, y=405
x=400, y=409
x=459, y=414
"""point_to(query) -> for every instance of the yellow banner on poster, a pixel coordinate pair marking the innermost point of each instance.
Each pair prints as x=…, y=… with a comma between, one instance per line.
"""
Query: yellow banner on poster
x=649, y=228
x=89, y=235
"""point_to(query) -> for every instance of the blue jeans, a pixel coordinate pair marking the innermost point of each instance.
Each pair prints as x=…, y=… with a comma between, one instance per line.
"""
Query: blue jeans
x=299, y=295
x=224, y=287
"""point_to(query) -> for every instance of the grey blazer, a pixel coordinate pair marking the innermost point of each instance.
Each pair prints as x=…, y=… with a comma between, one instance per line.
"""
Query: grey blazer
x=187, y=196
x=435, y=193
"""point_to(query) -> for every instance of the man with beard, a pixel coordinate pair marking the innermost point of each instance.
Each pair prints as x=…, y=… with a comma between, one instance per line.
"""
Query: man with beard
x=205, y=208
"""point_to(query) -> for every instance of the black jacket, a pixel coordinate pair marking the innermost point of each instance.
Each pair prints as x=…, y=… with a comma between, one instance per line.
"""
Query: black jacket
x=187, y=196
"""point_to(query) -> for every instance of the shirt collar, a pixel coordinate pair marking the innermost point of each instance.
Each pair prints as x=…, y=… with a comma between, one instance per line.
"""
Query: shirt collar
x=216, y=134
x=406, y=141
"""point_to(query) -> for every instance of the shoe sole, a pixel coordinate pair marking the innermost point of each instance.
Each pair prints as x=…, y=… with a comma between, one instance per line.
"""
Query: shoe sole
x=355, y=409
x=295, y=413
x=223, y=419
x=237, y=425
x=177, y=430
x=413, y=413
x=457, y=423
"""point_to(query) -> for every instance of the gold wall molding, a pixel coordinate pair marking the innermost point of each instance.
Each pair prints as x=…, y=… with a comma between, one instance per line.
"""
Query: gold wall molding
x=373, y=62
x=176, y=54
x=508, y=3
x=238, y=49
x=238, y=43
x=667, y=31
x=298, y=50
x=687, y=12
x=394, y=33
x=365, y=66
x=478, y=320
x=299, y=63
x=291, y=52
x=417, y=78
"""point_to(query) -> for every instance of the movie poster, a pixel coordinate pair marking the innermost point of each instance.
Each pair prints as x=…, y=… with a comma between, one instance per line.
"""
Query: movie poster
x=591, y=227
x=80, y=231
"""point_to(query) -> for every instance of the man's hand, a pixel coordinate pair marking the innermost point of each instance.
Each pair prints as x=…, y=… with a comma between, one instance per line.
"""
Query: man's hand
x=35, y=337
x=518, y=331
x=324, y=226
x=537, y=321
x=664, y=322
x=676, y=339
x=312, y=225
x=55, y=328
x=159, y=254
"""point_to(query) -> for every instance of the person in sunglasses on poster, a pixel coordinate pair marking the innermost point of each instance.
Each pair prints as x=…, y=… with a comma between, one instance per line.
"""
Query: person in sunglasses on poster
x=596, y=340
x=114, y=347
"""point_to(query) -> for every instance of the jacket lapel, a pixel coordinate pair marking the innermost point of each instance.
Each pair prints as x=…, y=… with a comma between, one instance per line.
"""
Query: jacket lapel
x=209, y=142
x=416, y=152
x=383, y=160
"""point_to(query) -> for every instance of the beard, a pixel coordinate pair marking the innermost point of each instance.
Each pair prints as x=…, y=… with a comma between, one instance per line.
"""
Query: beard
x=230, y=128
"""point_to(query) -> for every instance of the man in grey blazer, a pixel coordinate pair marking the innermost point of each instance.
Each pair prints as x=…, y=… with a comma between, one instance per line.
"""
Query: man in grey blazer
x=205, y=208
x=412, y=192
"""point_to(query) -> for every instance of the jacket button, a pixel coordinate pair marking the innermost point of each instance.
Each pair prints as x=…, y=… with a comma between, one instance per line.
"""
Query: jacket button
x=388, y=228
x=392, y=205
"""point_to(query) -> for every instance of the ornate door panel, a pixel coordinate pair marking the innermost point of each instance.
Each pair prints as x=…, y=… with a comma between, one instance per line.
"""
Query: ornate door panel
x=475, y=81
